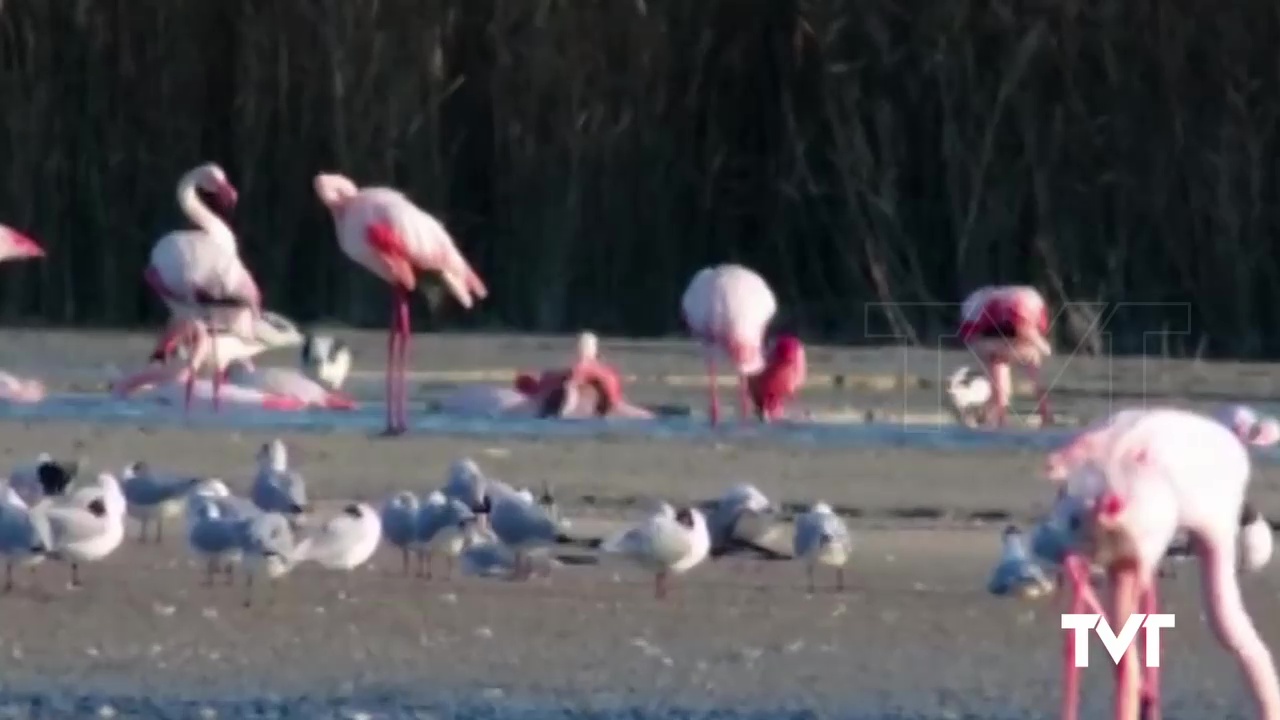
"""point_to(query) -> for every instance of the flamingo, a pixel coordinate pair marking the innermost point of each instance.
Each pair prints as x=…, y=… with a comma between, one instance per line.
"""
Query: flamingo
x=1005, y=325
x=16, y=246
x=727, y=308
x=199, y=273
x=1128, y=485
x=782, y=377
x=384, y=231
x=203, y=347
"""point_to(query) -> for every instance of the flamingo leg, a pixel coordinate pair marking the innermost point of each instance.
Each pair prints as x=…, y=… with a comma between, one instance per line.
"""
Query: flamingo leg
x=998, y=372
x=1075, y=575
x=714, y=401
x=393, y=336
x=1042, y=395
x=1128, y=679
x=402, y=414
x=744, y=398
x=1150, y=701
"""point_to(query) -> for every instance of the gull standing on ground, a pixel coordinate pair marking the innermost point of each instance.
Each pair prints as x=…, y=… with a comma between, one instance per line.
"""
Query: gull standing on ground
x=442, y=526
x=400, y=524
x=822, y=538
x=383, y=230
x=1255, y=539
x=23, y=541
x=85, y=533
x=268, y=546
x=667, y=542
x=345, y=541
x=152, y=497
x=1016, y=573
x=213, y=538
x=275, y=487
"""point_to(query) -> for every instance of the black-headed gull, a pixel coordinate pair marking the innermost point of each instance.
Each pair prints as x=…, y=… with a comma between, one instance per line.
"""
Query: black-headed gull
x=87, y=532
x=268, y=546
x=23, y=541
x=668, y=542
x=345, y=541
x=442, y=527
x=400, y=524
x=276, y=488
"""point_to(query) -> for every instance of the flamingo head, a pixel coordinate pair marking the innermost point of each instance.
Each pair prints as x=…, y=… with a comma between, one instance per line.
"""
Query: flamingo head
x=782, y=377
x=588, y=346
x=334, y=190
x=211, y=179
x=526, y=384
x=16, y=246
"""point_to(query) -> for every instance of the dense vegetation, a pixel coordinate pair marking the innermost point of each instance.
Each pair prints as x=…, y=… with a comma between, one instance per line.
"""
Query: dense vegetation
x=874, y=158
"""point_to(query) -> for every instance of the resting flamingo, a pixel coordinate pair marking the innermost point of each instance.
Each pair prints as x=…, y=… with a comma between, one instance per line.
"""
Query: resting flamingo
x=198, y=273
x=727, y=308
x=384, y=231
x=191, y=345
x=1006, y=325
x=16, y=246
x=1128, y=485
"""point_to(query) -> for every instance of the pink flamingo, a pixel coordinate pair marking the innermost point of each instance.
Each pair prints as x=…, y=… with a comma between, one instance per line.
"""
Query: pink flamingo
x=1005, y=325
x=727, y=308
x=199, y=273
x=782, y=377
x=287, y=382
x=1128, y=485
x=1251, y=429
x=204, y=347
x=394, y=239
x=16, y=246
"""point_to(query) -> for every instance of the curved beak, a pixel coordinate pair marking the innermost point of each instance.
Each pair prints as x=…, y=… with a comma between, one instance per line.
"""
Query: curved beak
x=227, y=196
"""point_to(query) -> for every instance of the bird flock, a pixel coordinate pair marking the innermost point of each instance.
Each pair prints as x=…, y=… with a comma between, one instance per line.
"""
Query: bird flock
x=487, y=526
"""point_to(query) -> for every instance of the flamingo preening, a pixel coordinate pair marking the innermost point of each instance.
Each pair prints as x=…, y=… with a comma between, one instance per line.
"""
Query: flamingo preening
x=1006, y=325
x=727, y=308
x=198, y=273
x=384, y=231
x=190, y=345
x=1128, y=485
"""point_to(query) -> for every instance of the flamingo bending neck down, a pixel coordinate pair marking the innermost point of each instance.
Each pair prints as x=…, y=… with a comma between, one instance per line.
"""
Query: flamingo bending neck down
x=1128, y=485
x=396, y=240
x=1006, y=325
x=199, y=273
x=727, y=308
x=191, y=345
x=16, y=246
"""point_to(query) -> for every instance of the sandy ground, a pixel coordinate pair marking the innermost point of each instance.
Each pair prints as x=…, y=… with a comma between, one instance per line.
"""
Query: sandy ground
x=914, y=634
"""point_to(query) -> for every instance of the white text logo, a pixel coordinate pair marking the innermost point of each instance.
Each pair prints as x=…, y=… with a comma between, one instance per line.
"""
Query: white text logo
x=1116, y=645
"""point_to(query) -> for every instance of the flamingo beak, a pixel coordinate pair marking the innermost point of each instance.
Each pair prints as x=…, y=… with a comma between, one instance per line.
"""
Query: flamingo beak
x=227, y=196
x=18, y=245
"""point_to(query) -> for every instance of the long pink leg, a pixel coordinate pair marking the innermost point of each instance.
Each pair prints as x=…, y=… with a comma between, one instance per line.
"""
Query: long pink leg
x=1070, y=673
x=1042, y=396
x=998, y=371
x=402, y=413
x=744, y=399
x=1150, y=702
x=1128, y=678
x=714, y=406
x=392, y=334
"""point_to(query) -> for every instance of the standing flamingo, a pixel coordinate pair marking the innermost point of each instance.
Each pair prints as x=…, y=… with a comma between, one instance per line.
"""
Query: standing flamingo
x=384, y=231
x=199, y=273
x=1006, y=325
x=1128, y=485
x=727, y=308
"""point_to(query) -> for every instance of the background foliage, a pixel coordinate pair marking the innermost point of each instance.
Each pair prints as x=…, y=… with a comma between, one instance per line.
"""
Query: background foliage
x=591, y=154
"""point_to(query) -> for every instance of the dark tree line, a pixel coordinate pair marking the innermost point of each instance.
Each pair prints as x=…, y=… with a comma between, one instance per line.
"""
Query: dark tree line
x=874, y=158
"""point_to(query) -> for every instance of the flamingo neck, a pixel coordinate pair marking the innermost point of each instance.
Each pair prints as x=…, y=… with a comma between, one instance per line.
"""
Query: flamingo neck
x=199, y=213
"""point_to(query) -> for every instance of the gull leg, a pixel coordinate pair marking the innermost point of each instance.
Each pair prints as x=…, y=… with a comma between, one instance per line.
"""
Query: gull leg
x=75, y=575
x=840, y=579
x=248, y=589
x=210, y=568
x=809, y=570
x=660, y=585
x=8, y=577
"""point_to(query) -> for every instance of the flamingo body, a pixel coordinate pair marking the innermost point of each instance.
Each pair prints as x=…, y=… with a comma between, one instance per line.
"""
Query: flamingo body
x=727, y=308
x=394, y=239
x=1129, y=485
x=1006, y=325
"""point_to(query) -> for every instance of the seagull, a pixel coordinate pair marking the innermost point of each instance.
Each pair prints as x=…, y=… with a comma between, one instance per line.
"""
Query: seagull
x=968, y=392
x=229, y=505
x=343, y=542
x=442, y=526
x=740, y=521
x=216, y=539
x=400, y=523
x=822, y=538
x=1255, y=541
x=523, y=525
x=45, y=477
x=84, y=533
x=667, y=542
x=467, y=483
x=275, y=487
x=23, y=541
x=152, y=497
x=1016, y=574
x=326, y=360
x=268, y=545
